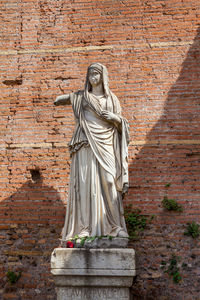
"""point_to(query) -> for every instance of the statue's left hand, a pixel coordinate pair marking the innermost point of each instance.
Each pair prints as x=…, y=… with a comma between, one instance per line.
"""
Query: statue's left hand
x=110, y=117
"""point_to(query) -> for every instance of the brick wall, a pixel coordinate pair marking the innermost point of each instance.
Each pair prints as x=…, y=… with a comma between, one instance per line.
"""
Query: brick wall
x=152, y=51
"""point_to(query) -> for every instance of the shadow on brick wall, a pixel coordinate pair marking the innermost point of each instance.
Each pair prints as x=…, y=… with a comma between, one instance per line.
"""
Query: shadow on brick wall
x=32, y=219
x=170, y=169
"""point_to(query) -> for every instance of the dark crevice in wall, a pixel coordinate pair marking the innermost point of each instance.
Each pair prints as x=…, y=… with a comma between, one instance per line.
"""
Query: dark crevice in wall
x=12, y=82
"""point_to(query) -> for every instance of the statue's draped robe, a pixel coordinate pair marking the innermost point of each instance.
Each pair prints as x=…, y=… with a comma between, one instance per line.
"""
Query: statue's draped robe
x=99, y=169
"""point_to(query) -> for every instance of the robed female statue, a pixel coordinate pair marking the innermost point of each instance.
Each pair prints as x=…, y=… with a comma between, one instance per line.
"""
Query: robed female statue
x=99, y=154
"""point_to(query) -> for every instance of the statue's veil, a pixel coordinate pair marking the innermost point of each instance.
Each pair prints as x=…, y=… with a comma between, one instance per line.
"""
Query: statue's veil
x=103, y=71
x=113, y=104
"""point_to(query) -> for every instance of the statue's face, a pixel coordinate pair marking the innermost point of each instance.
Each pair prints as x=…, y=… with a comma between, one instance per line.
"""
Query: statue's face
x=95, y=77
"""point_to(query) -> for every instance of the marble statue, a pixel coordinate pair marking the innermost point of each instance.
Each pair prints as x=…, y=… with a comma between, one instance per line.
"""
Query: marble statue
x=99, y=154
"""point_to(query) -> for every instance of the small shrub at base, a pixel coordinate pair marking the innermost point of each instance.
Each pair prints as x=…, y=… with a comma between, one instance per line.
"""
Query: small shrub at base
x=172, y=268
x=135, y=221
x=193, y=230
x=13, y=277
x=171, y=204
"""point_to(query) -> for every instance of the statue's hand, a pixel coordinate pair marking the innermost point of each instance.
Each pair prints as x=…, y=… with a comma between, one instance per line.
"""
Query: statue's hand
x=110, y=117
x=62, y=100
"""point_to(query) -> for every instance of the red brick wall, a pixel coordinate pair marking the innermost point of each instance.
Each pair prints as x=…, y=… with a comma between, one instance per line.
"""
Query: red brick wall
x=152, y=51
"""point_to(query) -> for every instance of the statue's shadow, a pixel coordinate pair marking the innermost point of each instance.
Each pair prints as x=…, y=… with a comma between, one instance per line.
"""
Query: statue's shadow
x=169, y=168
x=32, y=220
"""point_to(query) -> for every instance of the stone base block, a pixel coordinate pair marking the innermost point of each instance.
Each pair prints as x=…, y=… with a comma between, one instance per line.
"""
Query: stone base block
x=93, y=274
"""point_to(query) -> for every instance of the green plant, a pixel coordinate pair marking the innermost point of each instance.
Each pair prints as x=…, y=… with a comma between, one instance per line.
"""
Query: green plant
x=135, y=221
x=171, y=204
x=184, y=265
x=83, y=239
x=167, y=184
x=163, y=264
x=13, y=277
x=193, y=230
x=91, y=238
x=172, y=268
x=88, y=238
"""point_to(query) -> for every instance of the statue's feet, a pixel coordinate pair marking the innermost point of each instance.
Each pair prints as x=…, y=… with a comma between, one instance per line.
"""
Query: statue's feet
x=122, y=234
x=83, y=233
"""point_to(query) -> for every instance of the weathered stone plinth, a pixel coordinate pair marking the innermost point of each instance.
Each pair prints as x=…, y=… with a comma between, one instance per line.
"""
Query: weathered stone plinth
x=93, y=274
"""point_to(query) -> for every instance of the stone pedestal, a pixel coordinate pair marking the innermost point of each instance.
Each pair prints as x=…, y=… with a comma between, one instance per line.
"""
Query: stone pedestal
x=93, y=274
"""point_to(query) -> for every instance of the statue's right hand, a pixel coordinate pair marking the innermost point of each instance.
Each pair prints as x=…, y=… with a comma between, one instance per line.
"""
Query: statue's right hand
x=62, y=100
x=58, y=100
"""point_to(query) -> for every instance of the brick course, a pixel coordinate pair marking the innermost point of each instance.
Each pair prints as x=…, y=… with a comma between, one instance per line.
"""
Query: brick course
x=152, y=50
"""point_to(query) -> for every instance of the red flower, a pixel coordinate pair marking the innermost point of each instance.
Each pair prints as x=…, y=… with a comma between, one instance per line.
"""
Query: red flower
x=70, y=244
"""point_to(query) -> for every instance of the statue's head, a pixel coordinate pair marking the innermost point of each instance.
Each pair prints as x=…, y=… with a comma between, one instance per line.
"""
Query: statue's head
x=97, y=73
